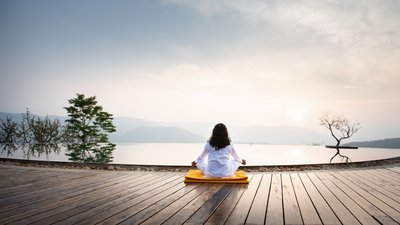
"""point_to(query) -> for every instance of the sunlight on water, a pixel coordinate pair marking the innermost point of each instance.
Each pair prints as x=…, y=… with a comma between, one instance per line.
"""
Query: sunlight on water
x=255, y=154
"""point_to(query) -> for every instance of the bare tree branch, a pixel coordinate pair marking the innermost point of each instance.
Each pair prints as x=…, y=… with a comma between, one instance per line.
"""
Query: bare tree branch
x=339, y=127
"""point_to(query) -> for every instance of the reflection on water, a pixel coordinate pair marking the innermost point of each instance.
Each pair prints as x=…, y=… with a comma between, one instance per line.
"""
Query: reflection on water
x=8, y=148
x=28, y=151
x=343, y=158
x=184, y=154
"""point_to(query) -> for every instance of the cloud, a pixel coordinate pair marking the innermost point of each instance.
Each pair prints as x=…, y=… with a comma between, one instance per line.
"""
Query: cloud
x=345, y=22
x=249, y=61
x=354, y=44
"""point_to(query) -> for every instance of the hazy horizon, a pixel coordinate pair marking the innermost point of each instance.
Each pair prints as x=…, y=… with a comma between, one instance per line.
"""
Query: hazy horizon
x=267, y=63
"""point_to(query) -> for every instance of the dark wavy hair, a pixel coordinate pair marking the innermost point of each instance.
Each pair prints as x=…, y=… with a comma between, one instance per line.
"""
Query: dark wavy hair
x=219, y=138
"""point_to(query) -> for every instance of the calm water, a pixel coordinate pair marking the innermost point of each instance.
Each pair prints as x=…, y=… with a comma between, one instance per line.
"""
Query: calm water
x=183, y=154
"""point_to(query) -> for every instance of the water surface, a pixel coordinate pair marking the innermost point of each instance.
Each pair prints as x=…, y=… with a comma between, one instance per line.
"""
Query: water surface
x=255, y=154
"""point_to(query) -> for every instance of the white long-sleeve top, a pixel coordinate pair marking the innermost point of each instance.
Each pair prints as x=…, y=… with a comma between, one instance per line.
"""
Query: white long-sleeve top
x=218, y=163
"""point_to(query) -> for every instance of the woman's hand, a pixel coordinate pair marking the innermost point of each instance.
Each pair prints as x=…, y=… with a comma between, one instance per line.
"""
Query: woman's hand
x=194, y=164
x=243, y=161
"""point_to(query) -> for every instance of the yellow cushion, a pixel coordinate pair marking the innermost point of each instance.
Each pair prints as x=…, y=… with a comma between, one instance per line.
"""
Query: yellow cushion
x=195, y=176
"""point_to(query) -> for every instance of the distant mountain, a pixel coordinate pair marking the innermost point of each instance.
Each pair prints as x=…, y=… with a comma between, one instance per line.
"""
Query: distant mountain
x=146, y=131
x=17, y=117
x=157, y=135
x=136, y=130
x=284, y=135
x=126, y=124
x=386, y=143
x=139, y=130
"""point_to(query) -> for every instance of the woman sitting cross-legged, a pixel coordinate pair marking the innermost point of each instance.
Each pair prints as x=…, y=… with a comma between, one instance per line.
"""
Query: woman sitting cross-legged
x=219, y=158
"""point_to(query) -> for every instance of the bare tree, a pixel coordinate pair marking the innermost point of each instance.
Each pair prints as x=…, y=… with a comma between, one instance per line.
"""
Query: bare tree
x=343, y=157
x=339, y=127
x=8, y=135
x=33, y=135
x=40, y=136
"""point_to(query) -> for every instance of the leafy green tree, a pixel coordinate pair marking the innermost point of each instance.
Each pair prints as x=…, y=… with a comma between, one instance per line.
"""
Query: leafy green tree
x=87, y=130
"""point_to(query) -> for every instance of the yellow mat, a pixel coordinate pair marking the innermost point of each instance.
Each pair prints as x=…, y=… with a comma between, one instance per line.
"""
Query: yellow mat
x=196, y=176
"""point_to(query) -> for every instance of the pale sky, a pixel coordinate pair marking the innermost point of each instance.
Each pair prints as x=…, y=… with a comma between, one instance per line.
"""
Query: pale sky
x=241, y=62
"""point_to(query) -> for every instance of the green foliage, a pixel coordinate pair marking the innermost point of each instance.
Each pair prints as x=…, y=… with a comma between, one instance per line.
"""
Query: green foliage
x=87, y=130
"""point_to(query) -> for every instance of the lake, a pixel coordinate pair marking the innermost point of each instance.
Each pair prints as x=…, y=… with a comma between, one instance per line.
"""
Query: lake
x=255, y=154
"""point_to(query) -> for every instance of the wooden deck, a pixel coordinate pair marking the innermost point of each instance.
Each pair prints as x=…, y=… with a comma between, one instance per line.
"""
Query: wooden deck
x=56, y=196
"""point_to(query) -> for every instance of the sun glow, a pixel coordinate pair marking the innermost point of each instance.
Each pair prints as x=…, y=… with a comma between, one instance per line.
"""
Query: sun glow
x=296, y=115
x=296, y=153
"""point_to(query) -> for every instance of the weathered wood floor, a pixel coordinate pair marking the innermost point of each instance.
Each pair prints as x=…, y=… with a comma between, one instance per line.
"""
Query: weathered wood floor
x=55, y=196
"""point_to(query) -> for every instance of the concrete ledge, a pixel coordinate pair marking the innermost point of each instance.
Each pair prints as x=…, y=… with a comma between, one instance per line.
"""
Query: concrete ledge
x=162, y=168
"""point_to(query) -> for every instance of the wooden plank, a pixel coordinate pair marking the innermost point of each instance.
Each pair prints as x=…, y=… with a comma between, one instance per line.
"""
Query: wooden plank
x=386, y=196
x=27, y=180
x=140, y=196
x=395, y=215
x=22, y=203
x=395, y=169
x=387, y=173
x=169, y=211
x=360, y=200
x=13, y=172
x=307, y=209
x=21, y=180
x=53, y=212
x=290, y=206
x=361, y=215
x=8, y=170
x=340, y=210
x=202, y=215
x=368, y=195
x=57, y=191
x=70, y=190
x=222, y=213
x=108, y=206
x=275, y=205
x=184, y=213
x=241, y=210
x=42, y=182
x=259, y=207
x=78, y=211
x=385, y=179
x=131, y=209
x=41, y=192
x=16, y=179
x=324, y=210
x=159, y=205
